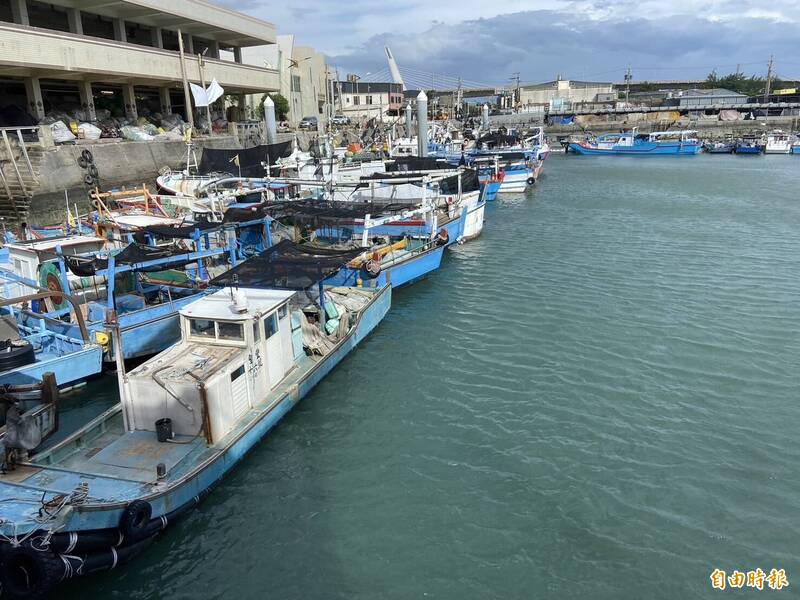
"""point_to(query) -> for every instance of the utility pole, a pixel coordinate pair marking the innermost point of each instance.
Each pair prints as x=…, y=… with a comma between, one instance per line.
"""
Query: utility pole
x=769, y=80
x=628, y=79
x=515, y=78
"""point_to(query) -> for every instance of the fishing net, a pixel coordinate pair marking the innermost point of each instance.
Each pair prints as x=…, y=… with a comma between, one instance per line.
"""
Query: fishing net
x=287, y=265
x=132, y=254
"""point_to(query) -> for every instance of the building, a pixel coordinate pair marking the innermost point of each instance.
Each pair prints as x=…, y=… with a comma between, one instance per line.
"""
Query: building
x=704, y=97
x=562, y=94
x=357, y=100
x=123, y=55
x=303, y=77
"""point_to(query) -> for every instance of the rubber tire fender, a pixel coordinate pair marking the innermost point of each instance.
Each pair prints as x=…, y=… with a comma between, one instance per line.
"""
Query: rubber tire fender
x=92, y=170
x=28, y=573
x=531, y=180
x=82, y=162
x=443, y=237
x=88, y=179
x=87, y=156
x=134, y=519
x=18, y=356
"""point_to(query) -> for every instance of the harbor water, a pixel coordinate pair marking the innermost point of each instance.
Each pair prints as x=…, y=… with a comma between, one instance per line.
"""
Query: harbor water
x=598, y=398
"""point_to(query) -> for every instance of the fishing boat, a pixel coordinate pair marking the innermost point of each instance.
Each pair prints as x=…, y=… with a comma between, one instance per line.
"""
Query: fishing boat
x=796, y=146
x=28, y=349
x=678, y=143
x=247, y=355
x=777, y=142
x=748, y=144
x=719, y=147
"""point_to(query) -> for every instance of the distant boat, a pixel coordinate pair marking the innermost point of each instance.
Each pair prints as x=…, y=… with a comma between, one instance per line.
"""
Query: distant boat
x=796, y=147
x=777, y=142
x=749, y=144
x=681, y=142
x=719, y=147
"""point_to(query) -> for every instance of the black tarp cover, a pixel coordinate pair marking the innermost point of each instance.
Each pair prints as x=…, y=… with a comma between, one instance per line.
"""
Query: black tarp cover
x=132, y=254
x=250, y=159
x=287, y=266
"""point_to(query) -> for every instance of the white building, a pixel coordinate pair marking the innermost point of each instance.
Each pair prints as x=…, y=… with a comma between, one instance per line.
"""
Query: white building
x=561, y=94
x=303, y=76
x=357, y=100
x=83, y=52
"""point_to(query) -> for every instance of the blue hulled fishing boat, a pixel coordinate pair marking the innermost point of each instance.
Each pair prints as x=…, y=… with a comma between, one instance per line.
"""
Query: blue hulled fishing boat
x=247, y=355
x=677, y=143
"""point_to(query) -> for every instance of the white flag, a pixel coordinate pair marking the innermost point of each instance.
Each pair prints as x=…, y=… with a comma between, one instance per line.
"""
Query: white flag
x=204, y=97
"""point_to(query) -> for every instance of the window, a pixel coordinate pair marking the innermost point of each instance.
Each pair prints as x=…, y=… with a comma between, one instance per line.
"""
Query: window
x=369, y=99
x=237, y=373
x=270, y=325
x=202, y=327
x=256, y=332
x=295, y=83
x=356, y=100
x=230, y=331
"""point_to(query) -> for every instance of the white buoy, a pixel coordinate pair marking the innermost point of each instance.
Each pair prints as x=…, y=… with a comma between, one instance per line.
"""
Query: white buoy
x=409, y=132
x=269, y=121
x=485, y=117
x=422, y=124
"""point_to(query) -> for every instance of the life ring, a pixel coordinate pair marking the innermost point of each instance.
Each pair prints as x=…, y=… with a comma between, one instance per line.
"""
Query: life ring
x=87, y=156
x=531, y=180
x=372, y=268
x=442, y=238
x=28, y=573
x=134, y=519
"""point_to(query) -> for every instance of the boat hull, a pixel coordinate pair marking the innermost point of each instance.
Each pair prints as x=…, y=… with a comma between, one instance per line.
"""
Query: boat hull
x=646, y=149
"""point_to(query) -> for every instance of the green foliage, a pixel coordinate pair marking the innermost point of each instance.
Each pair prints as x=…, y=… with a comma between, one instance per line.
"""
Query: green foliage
x=750, y=86
x=281, y=106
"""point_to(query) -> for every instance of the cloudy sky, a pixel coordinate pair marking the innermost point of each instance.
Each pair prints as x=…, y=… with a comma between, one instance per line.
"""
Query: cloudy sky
x=486, y=42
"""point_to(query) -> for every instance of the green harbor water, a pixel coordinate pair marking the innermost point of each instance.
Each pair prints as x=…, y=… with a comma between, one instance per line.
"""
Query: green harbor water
x=598, y=398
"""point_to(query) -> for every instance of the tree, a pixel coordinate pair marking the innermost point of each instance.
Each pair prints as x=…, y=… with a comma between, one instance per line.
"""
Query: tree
x=281, y=106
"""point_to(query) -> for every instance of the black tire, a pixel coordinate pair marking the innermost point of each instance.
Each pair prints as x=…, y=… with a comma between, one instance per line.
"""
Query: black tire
x=88, y=179
x=531, y=181
x=82, y=162
x=442, y=238
x=87, y=156
x=92, y=170
x=16, y=356
x=134, y=519
x=28, y=574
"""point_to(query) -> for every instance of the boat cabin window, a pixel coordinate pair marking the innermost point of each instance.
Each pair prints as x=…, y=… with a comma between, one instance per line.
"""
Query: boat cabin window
x=256, y=332
x=202, y=328
x=230, y=331
x=270, y=325
x=208, y=329
x=282, y=312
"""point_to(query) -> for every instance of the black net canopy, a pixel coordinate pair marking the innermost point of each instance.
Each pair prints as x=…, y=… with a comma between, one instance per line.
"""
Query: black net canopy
x=132, y=254
x=316, y=213
x=287, y=266
x=249, y=159
x=416, y=163
x=498, y=140
x=185, y=231
x=447, y=185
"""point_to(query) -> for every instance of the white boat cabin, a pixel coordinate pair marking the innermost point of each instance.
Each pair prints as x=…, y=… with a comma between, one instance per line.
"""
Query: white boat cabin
x=236, y=346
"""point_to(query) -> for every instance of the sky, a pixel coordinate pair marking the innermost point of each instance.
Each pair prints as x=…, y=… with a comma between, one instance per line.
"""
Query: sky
x=485, y=42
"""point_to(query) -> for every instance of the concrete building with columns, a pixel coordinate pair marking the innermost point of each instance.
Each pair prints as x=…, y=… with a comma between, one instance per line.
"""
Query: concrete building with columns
x=88, y=54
